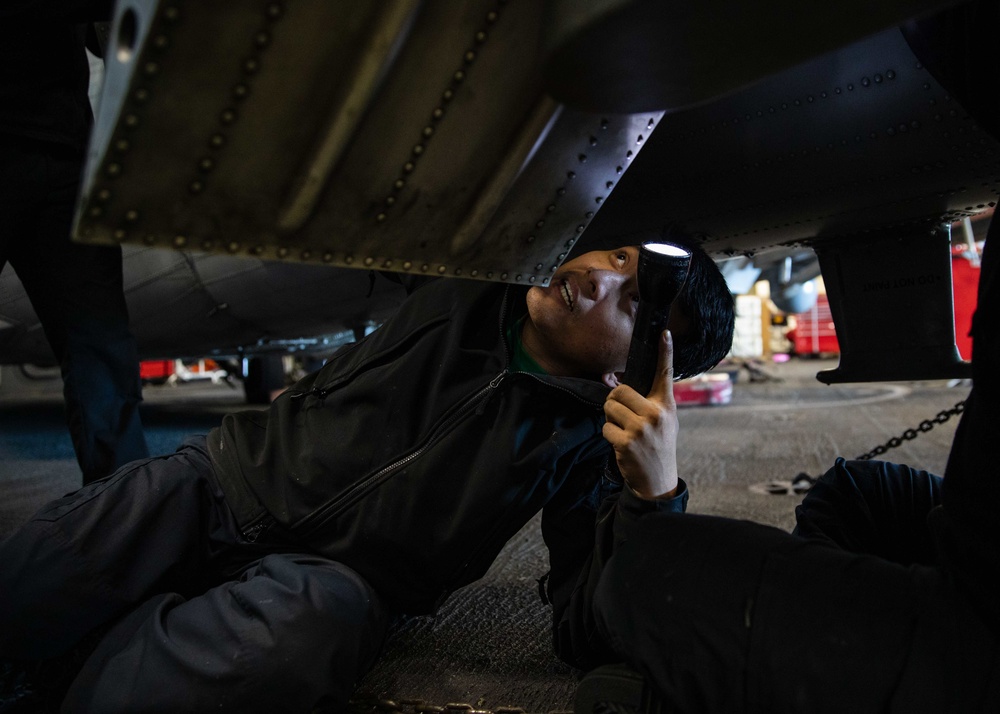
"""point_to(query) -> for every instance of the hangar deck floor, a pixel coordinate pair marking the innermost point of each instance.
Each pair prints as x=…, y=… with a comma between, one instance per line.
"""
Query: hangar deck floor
x=489, y=645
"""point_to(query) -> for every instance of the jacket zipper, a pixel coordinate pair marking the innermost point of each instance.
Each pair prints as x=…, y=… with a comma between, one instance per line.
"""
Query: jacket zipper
x=355, y=492
x=449, y=588
x=455, y=576
x=254, y=530
x=479, y=397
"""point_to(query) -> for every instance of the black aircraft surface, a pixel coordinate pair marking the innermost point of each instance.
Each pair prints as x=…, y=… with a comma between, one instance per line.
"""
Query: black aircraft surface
x=260, y=161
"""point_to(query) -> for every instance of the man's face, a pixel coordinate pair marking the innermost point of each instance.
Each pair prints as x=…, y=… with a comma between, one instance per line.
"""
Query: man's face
x=581, y=324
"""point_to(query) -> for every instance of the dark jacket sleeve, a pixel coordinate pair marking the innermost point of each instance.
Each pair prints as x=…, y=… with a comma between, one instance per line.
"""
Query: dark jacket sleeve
x=581, y=534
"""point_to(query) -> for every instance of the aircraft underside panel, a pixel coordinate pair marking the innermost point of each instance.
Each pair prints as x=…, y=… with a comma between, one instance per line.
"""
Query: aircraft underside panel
x=402, y=135
x=423, y=137
x=189, y=305
x=854, y=142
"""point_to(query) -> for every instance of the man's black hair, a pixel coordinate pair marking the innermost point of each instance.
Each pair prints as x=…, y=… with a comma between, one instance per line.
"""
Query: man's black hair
x=705, y=300
x=710, y=309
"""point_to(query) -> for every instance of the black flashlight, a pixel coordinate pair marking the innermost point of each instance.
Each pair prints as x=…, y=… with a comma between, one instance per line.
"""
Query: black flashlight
x=662, y=270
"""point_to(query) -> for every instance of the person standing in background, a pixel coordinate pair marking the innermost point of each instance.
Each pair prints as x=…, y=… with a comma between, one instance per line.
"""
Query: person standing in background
x=76, y=289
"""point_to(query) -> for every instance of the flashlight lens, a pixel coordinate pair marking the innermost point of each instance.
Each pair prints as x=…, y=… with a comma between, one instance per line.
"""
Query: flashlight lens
x=666, y=249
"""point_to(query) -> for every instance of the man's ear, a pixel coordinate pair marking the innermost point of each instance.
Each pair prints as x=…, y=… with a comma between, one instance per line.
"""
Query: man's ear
x=612, y=379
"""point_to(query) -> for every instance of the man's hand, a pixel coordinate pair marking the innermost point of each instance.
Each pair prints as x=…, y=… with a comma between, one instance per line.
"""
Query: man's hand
x=643, y=430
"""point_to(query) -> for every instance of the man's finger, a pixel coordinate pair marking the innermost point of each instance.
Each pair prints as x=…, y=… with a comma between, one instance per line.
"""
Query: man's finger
x=614, y=435
x=663, y=384
x=620, y=414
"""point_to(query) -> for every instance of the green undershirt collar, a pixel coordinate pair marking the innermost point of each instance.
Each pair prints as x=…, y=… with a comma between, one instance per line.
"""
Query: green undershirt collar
x=521, y=361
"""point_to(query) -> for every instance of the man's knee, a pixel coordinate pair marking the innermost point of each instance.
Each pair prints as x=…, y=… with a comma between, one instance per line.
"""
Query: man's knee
x=874, y=507
x=328, y=608
x=847, y=475
x=296, y=630
x=872, y=481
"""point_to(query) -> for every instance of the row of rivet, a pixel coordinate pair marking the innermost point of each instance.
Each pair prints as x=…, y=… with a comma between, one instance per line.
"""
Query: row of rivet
x=944, y=217
x=786, y=224
x=113, y=169
x=588, y=215
x=899, y=129
x=961, y=213
x=866, y=82
x=438, y=113
x=925, y=168
x=419, y=706
x=229, y=115
x=827, y=217
x=217, y=140
x=830, y=145
x=329, y=256
x=856, y=183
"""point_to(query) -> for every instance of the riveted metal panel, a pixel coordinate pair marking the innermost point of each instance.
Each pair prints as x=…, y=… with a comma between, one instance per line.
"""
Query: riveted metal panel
x=397, y=135
x=859, y=141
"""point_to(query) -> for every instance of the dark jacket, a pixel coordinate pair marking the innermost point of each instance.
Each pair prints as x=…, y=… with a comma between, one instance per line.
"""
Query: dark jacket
x=414, y=454
x=44, y=72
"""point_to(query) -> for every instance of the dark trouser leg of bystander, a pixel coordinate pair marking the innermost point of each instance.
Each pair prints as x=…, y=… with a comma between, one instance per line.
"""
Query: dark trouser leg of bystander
x=78, y=294
x=101, y=370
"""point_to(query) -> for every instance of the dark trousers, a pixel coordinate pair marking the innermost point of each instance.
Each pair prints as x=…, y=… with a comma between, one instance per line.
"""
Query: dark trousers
x=885, y=599
x=150, y=564
x=77, y=293
x=723, y=615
